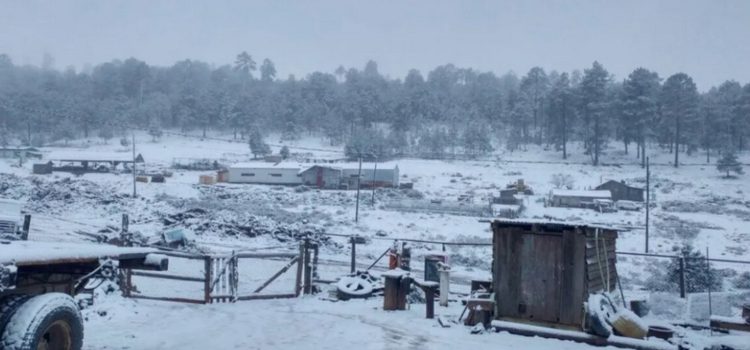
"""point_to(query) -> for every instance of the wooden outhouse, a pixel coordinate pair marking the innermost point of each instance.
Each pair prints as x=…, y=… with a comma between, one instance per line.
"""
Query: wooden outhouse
x=544, y=271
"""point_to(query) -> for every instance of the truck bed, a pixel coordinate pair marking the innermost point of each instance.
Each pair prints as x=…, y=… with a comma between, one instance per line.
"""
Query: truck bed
x=32, y=253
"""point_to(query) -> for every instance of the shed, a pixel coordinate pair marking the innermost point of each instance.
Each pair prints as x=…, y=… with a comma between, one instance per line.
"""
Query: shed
x=544, y=271
x=265, y=173
x=382, y=176
x=321, y=176
x=576, y=198
x=621, y=191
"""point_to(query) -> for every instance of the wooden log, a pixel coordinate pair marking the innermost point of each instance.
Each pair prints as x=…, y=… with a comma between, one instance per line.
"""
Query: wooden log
x=390, y=292
x=429, y=293
x=166, y=276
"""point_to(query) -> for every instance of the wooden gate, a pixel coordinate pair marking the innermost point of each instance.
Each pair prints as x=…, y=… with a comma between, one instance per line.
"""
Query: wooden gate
x=221, y=276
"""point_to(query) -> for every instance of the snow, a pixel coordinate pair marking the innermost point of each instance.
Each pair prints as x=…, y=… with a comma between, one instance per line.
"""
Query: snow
x=718, y=212
x=34, y=253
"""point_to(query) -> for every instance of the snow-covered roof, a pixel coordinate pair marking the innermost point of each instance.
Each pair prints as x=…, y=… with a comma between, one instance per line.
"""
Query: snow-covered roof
x=526, y=221
x=326, y=166
x=36, y=253
x=265, y=165
x=582, y=193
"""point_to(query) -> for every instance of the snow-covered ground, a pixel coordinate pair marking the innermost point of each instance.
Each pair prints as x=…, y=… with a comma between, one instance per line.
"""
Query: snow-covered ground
x=693, y=205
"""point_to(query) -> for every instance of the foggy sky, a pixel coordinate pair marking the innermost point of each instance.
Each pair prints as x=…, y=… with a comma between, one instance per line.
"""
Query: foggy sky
x=710, y=40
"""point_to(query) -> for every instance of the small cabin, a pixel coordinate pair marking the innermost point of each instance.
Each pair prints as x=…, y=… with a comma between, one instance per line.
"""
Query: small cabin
x=544, y=271
x=621, y=191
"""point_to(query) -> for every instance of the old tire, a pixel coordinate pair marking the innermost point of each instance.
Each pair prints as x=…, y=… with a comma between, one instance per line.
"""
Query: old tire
x=48, y=321
x=354, y=287
x=8, y=307
x=600, y=314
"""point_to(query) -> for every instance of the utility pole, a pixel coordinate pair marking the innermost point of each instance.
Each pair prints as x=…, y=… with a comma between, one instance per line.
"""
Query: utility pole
x=359, y=181
x=134, y=192
x=374, y=179
x=648, y=198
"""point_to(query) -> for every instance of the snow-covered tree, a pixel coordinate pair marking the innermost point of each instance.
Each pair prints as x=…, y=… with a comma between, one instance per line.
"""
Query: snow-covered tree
x=699, y=275
x=679, y=99
x=284, y=152
x=728, y=163
x=560, y=180
x=258, y=147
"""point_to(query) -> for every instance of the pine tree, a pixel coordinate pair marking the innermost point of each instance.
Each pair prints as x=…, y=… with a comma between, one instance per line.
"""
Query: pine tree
x=679, y=98
x=258, y=147
x=284, y=152
x=639, y=105
x=561, y=113
x=699, y=275
x=594, y=103
x=729, y=163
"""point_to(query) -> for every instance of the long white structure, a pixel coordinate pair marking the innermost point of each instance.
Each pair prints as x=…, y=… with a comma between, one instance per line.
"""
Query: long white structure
x=265, y=173
x=331, y=176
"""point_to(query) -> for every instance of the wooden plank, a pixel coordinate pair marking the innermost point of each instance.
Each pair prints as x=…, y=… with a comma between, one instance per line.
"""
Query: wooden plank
x=580, y=337
x=207, y=282
x=178, y=300
x=265, y=255
x=276, y=275
x=298, y=279
x=267, y=296
x=167, y=276
x=730, y=324
x=573, y=284
x=540, y=277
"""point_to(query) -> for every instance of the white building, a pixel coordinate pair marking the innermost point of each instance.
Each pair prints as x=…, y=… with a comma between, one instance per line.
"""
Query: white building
x=265, y=173
x=576, y=198
x=332, y=176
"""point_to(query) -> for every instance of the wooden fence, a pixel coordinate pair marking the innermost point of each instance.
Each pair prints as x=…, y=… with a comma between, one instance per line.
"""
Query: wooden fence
x=221, y=278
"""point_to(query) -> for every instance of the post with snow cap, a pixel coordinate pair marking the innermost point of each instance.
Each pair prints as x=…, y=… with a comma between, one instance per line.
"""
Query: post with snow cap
x=444, y=283
x=648, y=198
x=359, y=181
x=134, y=192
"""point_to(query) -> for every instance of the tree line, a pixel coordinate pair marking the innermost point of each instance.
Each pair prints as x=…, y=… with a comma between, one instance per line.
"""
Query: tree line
x=449, y=111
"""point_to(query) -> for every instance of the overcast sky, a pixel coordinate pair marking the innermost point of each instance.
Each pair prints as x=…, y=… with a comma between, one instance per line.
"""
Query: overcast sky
x=710, y=40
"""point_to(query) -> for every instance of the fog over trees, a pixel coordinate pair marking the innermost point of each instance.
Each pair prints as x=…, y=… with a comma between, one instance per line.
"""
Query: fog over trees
x=448, y=111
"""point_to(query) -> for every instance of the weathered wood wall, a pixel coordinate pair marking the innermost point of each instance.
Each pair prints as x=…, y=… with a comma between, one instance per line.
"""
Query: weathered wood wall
x=543, y=272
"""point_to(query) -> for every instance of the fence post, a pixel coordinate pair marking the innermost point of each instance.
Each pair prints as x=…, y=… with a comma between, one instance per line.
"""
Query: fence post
x=207, y=283
x=26, y=227
x=682, y=277
x=354, y=254
x=316, y=250
x=308, y=270
x=300, y=264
